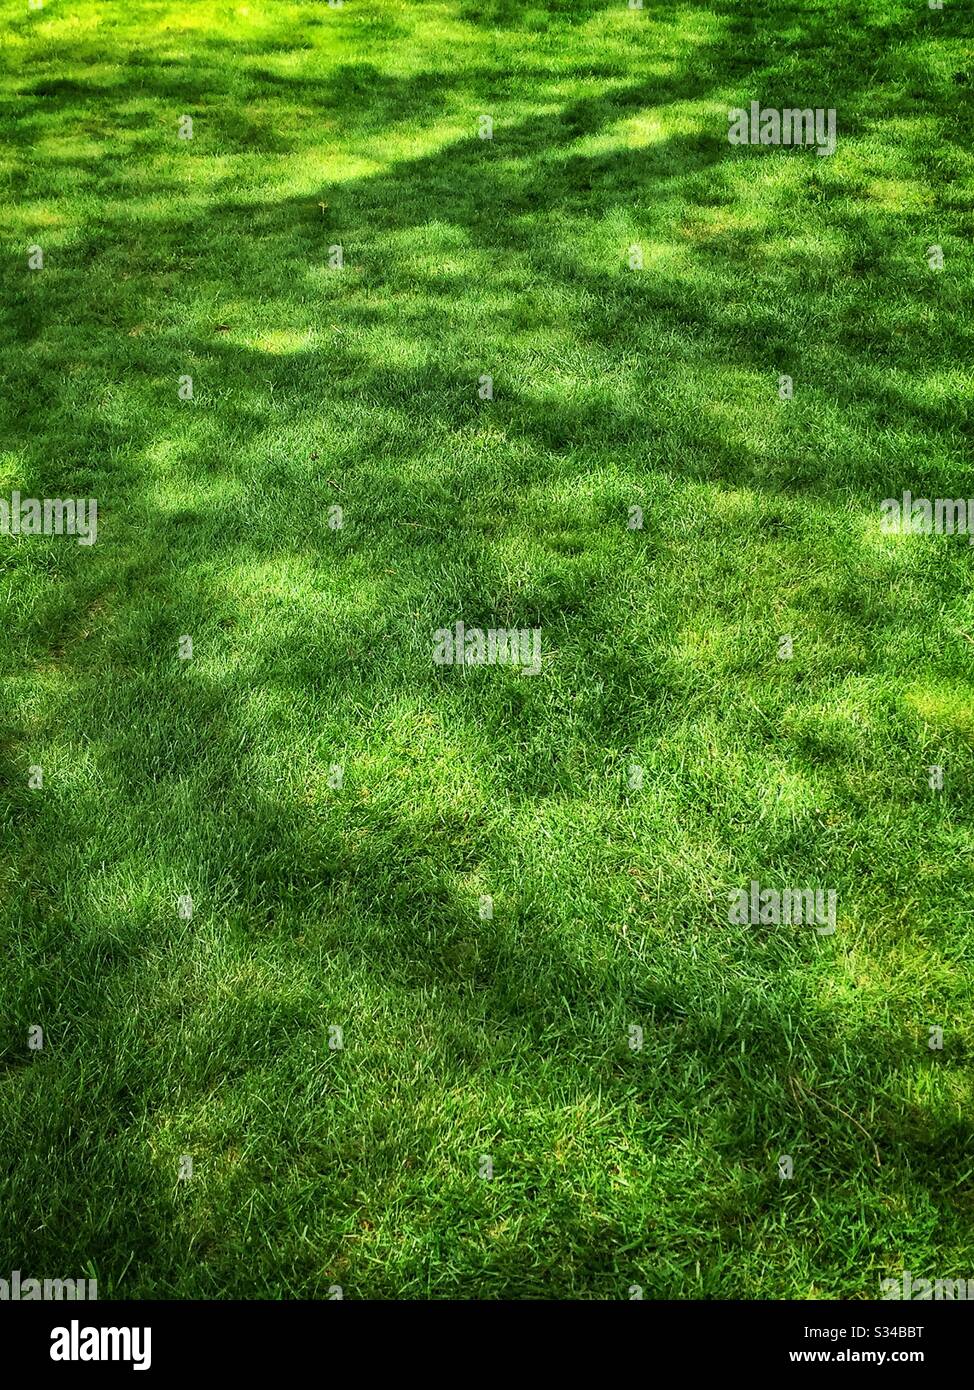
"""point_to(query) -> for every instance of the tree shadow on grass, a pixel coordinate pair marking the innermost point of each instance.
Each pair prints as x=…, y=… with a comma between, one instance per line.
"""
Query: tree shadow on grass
x=388, y=887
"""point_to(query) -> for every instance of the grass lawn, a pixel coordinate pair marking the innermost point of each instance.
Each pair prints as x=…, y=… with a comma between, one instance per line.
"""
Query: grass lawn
x=338, y=806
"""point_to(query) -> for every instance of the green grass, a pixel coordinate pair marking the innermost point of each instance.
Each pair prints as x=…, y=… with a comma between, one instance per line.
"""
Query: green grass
x=357, y=906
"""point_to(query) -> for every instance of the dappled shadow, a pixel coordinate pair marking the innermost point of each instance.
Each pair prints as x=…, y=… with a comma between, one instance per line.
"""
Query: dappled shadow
x=359, y=387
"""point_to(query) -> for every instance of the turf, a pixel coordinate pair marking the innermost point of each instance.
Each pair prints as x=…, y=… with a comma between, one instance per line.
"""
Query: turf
x=352, y=901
